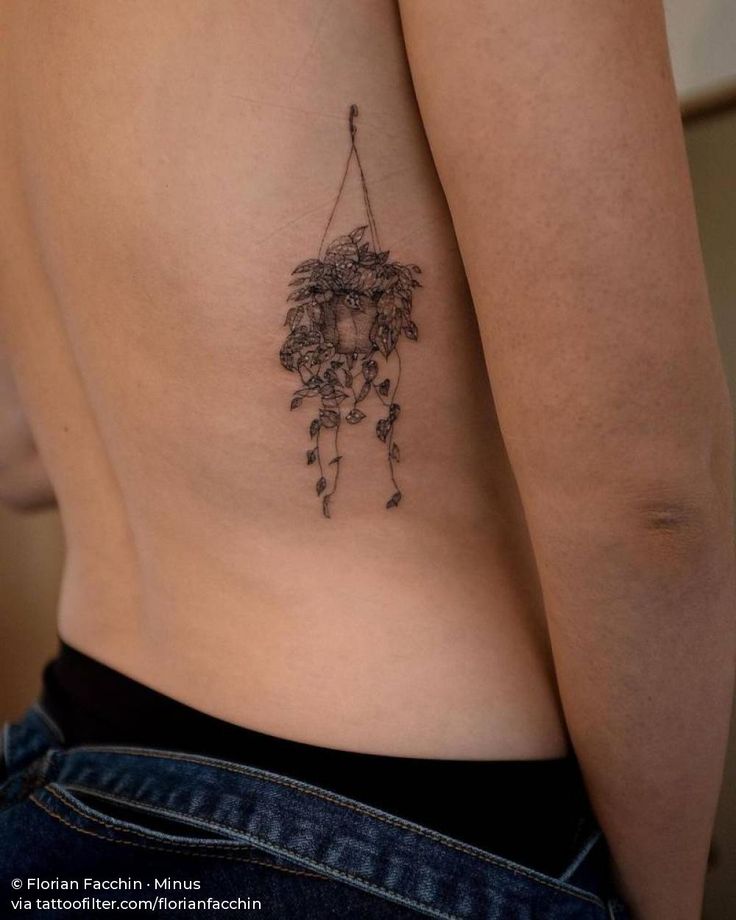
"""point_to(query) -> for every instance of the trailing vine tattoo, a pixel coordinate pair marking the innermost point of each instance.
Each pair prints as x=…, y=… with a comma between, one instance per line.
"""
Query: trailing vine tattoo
x=351, y=306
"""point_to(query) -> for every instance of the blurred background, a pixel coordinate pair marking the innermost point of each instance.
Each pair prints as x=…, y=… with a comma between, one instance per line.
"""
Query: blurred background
x=702, y=36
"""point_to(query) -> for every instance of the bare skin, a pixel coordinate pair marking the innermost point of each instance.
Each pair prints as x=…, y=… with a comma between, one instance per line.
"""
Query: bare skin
x=163, y=183
x=165, y=168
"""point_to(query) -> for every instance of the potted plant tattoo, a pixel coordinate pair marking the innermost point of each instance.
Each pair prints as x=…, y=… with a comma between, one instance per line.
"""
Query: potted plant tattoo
x=351, y=305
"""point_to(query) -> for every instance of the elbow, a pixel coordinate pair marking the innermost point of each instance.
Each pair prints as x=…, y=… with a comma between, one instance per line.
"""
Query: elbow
x=689, y=494
x=686, y=515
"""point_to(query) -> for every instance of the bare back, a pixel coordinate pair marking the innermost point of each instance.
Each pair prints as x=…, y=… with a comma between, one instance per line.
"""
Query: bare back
x=165, y=168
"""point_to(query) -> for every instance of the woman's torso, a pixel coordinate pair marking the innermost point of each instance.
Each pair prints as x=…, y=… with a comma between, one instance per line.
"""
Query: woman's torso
x=164, y=168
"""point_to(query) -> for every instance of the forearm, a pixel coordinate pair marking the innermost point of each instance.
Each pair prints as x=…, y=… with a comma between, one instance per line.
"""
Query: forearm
x=640, y=601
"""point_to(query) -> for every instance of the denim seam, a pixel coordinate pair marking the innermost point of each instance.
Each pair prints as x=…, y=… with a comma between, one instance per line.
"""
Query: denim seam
x=368, y=886
x=50, y=723
x=263, y=842
x=115, y=824
x=6, y=745
x=575, y=864
x=566, y=888
x=192, y=851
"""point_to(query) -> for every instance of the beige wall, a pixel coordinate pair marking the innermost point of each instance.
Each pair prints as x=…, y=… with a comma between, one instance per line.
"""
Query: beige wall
x=30, y=568
x=702, y=40
x=31, y=548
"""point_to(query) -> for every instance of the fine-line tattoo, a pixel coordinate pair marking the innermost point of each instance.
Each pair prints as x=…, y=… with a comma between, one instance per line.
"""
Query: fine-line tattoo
x=351, y=307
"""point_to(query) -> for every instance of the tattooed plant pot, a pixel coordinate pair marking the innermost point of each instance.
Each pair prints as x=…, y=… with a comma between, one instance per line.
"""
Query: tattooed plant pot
x=350, y=306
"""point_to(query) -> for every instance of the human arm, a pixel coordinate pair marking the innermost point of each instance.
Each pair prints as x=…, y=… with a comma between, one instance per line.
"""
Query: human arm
x=557, y=138
x=24, y=484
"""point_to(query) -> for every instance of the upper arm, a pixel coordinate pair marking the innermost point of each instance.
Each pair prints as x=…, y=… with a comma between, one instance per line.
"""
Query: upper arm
x=557, y=137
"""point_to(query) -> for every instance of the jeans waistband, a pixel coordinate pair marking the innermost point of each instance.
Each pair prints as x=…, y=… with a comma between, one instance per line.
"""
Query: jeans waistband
x=339, y=837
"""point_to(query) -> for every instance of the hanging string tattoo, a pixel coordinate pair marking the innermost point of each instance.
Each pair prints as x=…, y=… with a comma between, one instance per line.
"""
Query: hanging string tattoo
x=351, y=306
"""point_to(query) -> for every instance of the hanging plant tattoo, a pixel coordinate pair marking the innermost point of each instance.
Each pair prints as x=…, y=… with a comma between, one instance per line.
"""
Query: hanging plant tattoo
x=351, y=306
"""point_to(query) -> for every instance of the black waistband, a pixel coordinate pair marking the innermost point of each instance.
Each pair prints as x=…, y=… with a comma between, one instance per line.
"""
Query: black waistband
x=526, y=810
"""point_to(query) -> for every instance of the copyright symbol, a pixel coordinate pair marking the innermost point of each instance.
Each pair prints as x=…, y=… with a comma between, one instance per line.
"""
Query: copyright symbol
x=17, y=883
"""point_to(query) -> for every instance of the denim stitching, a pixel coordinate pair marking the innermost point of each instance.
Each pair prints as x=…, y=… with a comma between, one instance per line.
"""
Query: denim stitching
x=192, y=851
x=55, y=790
x=354, y=806
x=581, y=856
x=6, y=746
x=50, y=723
x=114, y=824
x=339, y=873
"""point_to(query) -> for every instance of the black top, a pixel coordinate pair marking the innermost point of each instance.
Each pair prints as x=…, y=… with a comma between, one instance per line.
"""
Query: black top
x=526, y=810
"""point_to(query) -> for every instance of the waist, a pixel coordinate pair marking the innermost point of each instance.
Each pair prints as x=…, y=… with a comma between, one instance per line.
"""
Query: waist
x=440, y=658
x=148, y=797
x=529, y=810
x=389, y=684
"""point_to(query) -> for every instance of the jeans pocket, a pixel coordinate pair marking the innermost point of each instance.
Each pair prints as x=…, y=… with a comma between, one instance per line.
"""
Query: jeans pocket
x=121, y=820
x=131, y=823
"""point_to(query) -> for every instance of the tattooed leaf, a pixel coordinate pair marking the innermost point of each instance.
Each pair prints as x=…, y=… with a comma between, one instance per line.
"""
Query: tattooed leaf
x=354, y=416
x=385, y=339
x=370, y=369
x=328, y=418
x=394, y=500
x=287, y=359
x=296, y=402
x=321, y=485
x=306, y=266
x=341, y=251
x=393, y=412
x=326, y=506
x=336, y=459
x=311, y=456
x=314, y=427
x=301, y=295
x=388, y=306
x=395, y=453
x=416, y=268
x=411, y=331
x=364, y=391
x=357, y=235
x=383, y=427
x=384, y=386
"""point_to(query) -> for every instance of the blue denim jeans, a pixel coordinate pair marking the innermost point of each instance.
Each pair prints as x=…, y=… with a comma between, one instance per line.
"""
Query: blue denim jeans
x=179, y=835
